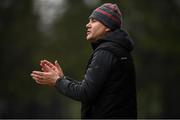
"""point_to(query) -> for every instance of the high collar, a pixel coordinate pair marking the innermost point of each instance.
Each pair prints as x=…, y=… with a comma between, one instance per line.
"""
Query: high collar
x=94, y=45
x=119, y=36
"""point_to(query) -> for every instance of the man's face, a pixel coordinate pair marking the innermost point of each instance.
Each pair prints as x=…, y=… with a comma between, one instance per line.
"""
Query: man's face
x=95, y=30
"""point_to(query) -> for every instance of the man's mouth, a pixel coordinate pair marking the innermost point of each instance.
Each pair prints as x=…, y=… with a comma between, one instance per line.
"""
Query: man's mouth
x=88, y=32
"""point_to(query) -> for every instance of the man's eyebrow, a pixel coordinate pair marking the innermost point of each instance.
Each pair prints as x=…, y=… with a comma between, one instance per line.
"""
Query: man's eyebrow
x=94, y=19
x=91, y=19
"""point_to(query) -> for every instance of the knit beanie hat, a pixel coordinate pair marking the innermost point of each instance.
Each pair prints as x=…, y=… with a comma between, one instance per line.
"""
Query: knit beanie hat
x=109, y=14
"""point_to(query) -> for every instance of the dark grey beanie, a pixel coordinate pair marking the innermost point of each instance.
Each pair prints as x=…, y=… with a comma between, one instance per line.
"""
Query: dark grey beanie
x=109, y=14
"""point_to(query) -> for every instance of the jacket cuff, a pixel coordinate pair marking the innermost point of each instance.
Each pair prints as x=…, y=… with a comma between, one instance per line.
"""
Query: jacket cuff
x=61, y=84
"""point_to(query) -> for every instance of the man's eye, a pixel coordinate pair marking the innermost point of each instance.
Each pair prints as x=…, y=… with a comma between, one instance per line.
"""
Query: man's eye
x=94, y=20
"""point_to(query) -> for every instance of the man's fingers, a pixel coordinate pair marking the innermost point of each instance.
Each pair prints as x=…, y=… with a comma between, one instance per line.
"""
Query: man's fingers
x=48, y=68
x=41, y=77
x=37, y=77
x=45, y=62
x=42, y=64
x=39, y=73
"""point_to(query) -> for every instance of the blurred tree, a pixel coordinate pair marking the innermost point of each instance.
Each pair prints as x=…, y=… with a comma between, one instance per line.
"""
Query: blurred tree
x=154, y=26
x=20, y=41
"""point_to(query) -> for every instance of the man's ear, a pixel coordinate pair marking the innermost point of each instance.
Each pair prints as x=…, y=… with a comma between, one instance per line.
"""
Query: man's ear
x=107, y=30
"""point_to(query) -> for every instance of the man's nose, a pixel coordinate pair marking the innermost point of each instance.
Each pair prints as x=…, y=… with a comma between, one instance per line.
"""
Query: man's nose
x=88, y=25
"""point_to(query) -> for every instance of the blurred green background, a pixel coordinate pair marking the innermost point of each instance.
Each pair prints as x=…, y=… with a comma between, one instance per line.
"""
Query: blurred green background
x=32, y=30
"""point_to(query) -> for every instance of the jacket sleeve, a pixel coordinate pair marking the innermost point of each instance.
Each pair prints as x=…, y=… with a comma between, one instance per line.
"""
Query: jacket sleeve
x=96, y=75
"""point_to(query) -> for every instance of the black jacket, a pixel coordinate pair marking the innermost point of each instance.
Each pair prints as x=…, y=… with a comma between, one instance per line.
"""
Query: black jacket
x=108, y=89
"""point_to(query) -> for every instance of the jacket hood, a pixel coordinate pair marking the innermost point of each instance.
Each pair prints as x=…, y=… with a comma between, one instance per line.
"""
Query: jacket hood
x=119, y=37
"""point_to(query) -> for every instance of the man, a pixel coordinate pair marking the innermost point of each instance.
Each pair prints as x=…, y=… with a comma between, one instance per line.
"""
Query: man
x=108, y=89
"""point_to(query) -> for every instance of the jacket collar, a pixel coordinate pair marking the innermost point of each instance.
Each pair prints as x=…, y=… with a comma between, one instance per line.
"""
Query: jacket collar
x=119, y=37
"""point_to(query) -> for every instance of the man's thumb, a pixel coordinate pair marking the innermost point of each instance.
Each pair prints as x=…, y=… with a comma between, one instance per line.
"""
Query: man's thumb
x=57, y=65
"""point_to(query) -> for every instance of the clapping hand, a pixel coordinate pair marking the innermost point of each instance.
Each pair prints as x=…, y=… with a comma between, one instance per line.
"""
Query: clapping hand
x=49, y=75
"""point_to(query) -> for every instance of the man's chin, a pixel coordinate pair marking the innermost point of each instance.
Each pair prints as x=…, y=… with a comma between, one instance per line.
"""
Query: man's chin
x=90, y=39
